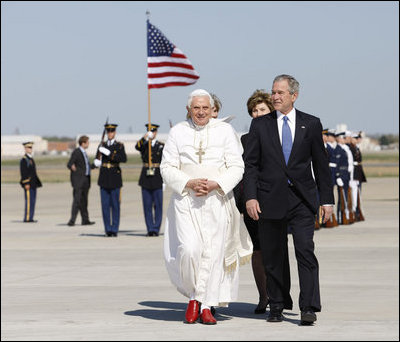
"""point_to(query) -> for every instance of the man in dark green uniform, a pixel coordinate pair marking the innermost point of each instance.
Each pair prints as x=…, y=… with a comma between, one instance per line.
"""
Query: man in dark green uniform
x=109, y=155
x=29, y=181
x=150, y=179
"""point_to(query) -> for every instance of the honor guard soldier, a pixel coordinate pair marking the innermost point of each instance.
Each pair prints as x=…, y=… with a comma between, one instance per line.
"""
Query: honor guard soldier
x=359, y=175
x=342, y=179
x=108, y=157
x=29, y=181
x=330, y=145
x=150, y=179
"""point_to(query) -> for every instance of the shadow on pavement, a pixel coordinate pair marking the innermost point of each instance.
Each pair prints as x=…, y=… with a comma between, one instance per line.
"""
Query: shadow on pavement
x=171, y=311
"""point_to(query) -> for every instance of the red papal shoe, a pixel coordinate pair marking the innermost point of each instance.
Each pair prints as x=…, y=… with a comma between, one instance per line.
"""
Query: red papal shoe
x=192, y=312
x=207, y=318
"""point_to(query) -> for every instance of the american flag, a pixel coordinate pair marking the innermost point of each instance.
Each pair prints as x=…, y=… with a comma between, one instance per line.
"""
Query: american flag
x=167, y=66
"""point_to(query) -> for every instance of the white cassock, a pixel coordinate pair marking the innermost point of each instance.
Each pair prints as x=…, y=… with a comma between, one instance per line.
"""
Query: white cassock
x=204, y=243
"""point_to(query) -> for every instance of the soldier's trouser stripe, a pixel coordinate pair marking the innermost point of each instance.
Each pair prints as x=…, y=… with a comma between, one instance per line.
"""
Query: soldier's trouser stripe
x=28, y=204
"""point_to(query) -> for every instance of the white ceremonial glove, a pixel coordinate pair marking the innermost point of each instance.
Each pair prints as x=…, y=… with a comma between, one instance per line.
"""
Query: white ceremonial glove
x=150, y=135
x=163, y=186
x=104, y=150
x=339, y=181
x=97, y=162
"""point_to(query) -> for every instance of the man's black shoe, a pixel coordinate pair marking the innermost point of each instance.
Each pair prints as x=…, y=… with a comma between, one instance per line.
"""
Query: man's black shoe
x=71, y=224
x=275, y=315
x=308, y=317
x=114, y=234
x=88, y=223
x=150, y=234
x=108, y=234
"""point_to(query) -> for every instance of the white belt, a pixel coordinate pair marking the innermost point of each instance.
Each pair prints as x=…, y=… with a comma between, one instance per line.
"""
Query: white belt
x=332, y=164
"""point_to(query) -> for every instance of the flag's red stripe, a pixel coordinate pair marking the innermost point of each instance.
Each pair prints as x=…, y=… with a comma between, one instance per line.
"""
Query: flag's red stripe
x=171, y=64
x=178, y=55
x=168, y=84
x=178, y=74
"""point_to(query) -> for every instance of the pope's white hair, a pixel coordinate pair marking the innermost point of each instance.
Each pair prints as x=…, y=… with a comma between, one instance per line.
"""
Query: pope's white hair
x=200, y=92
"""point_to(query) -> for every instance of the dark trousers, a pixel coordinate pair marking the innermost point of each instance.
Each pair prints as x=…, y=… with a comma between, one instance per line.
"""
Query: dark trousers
x=152, y=208
x=273, y=239
x=110, y=206
x=30, y=202
x=80, y=204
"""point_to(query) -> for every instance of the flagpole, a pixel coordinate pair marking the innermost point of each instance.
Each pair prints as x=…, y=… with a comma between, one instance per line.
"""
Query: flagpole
x=148, y=97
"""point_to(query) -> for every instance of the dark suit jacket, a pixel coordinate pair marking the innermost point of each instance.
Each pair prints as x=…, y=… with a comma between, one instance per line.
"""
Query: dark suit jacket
x=266, y=173
x=78, y=178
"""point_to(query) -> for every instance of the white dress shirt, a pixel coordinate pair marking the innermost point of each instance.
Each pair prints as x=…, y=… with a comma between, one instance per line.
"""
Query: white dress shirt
x=291, y=121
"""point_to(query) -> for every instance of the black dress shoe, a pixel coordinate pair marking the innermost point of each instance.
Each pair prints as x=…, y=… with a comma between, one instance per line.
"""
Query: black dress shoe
x=108, y=234
x=88, y=223
x=260, y=309
x=114, y=234
x=275, y=315
x=308, y=317
x=150, y=234
x=71, y=224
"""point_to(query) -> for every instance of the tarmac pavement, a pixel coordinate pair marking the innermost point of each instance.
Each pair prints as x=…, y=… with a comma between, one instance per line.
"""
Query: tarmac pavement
x=61, y=283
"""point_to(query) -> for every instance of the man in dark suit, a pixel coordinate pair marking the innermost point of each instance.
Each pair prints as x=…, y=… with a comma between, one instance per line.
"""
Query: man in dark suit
x=150, y=179
x=29, y=181
x=80, y=180
x=280, y=191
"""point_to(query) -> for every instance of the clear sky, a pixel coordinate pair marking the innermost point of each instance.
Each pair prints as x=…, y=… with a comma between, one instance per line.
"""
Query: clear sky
x=66, y=66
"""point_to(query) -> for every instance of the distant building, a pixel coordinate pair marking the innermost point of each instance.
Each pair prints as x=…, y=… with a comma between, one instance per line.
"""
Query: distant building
x=11, y=145
x=60, y=147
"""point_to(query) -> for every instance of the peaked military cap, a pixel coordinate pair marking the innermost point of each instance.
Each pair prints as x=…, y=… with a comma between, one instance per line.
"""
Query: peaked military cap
x=153, y=127
x=110, y=126
x=325, y=131
x=338, y=134
x=332, y=132
x=28, y=144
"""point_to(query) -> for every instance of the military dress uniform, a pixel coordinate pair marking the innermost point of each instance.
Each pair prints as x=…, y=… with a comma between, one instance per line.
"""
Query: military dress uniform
x=359, y=176
x=110, y=182
x=332, y=222
x=30, y=177
x=151, y=182
x=342, y=172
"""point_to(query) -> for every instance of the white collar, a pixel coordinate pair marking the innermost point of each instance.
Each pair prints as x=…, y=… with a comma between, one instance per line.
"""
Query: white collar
x=291, y=115
x=198, y=127
x=111, y=142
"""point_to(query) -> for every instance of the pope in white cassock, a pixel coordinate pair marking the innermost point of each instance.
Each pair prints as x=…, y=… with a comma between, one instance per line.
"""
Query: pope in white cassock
x=204, y=244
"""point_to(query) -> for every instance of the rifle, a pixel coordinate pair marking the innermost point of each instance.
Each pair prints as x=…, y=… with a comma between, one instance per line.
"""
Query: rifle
x=98, y=155
x=350, y=205
x=332, y=222
x=360, y=214
x=342, y=206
